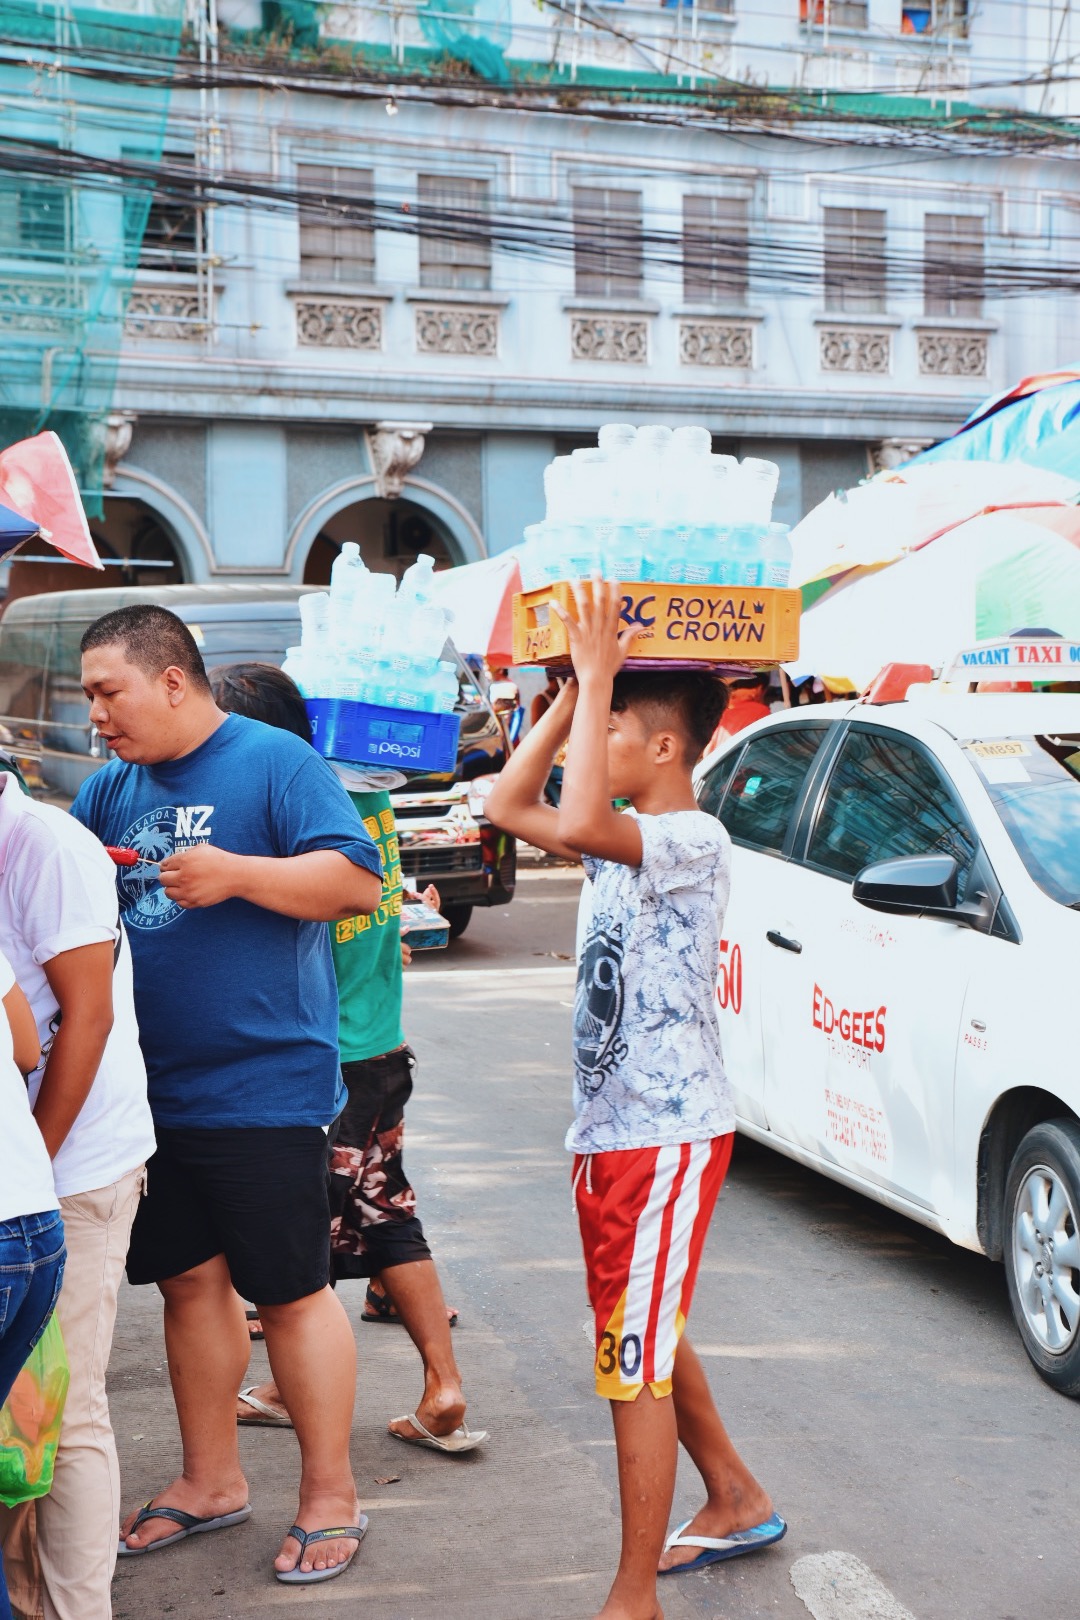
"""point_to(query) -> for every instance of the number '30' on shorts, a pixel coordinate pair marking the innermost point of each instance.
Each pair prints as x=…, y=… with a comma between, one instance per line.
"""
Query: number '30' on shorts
x=644, y=1214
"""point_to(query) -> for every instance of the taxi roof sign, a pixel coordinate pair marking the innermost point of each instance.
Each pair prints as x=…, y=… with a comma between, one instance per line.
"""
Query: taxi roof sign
x=1047, y=658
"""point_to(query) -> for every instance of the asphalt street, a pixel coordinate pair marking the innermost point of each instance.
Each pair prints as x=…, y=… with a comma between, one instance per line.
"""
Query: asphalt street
x=868, y=1370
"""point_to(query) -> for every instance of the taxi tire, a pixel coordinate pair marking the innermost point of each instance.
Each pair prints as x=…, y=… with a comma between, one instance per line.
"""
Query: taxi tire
x=458, y=917
x=1055, y=1144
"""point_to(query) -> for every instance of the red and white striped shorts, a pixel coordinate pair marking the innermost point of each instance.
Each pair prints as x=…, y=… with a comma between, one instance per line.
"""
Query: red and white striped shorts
x=643, y=1214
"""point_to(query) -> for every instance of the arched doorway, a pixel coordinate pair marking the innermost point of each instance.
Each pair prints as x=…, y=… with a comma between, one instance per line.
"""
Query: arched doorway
x=132, y=541
x=390, y=534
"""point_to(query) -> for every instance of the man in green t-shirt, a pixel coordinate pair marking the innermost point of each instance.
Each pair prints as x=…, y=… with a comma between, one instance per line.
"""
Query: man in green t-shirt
x=375, y=1231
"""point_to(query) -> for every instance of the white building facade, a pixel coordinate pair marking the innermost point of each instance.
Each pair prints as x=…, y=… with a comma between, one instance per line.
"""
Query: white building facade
x=390, y=291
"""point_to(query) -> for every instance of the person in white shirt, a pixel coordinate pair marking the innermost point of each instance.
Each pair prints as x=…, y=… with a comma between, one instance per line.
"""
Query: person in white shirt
x=60, y=929
x=31, y=1232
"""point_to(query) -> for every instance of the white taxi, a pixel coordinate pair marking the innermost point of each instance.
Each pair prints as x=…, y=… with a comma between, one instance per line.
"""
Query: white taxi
x=899, y=968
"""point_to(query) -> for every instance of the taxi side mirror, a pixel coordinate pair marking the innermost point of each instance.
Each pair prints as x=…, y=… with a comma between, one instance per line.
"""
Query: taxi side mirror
x=909, y=884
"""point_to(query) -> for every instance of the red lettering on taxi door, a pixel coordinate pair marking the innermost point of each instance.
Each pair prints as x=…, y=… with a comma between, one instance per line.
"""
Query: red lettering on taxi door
x=729, y=977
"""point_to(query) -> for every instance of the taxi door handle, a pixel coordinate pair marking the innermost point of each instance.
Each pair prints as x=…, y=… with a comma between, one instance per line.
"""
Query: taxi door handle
x=782, y=941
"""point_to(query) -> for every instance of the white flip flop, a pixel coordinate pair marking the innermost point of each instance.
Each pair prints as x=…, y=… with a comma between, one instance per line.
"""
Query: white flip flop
x=455, y=1444
x=263, y=1416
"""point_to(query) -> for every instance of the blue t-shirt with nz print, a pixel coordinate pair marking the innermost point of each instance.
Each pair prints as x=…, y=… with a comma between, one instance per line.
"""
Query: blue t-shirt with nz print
x=237, y=1005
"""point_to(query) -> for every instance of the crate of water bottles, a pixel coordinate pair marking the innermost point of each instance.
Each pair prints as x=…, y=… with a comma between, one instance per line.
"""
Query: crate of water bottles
x=372, y=670
x=688, y=533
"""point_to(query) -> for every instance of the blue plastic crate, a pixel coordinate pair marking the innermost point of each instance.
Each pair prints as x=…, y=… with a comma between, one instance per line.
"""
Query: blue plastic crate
x=397, y=739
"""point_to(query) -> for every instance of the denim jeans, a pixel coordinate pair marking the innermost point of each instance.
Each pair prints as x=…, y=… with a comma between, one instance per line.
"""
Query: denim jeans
x=31, y=1270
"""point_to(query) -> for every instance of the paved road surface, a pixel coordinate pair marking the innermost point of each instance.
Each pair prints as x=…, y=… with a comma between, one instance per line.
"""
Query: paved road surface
x=869, y=1371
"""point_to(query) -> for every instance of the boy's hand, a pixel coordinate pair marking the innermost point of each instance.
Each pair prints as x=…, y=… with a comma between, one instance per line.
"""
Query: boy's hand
x=200, y=876
x=597, y=645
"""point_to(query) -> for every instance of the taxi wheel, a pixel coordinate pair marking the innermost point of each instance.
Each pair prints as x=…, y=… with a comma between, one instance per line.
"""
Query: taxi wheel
x=458, y=918
x=1042, y=1249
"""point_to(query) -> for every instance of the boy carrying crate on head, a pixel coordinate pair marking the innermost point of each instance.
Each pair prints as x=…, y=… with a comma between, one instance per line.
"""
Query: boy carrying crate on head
x=654, y=1120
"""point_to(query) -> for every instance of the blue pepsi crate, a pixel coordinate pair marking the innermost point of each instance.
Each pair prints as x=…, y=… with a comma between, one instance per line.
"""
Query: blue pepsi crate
x=396, y=739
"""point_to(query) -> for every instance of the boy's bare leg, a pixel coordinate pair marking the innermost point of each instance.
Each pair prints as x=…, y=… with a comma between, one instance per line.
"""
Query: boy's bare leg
x=417, y=1296
x=735, y=1499
x=647, y=1447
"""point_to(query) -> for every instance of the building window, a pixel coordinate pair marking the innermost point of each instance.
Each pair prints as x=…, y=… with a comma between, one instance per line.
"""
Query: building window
x=608, y=248
x=936, y=18
x=953, y=265
x=834, y=13
x=855, y=260
x=716, y=249
x=455, y=232
x=34, y=213
x=337, y=242
x=171, y=225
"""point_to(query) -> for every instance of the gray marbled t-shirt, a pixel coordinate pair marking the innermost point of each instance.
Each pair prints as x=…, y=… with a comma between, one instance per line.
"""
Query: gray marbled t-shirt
x=648, y=1070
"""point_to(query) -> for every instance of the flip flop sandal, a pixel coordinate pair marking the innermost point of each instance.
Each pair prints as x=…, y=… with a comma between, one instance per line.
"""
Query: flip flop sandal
x=262, y=1415
x=733, y=1546
x=255, y=1334
x=455, y=1444
x=380, y=1309
x=190, y=1525
x=306, y=1538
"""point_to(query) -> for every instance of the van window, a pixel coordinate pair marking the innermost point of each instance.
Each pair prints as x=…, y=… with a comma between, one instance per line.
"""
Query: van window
x=24, y=649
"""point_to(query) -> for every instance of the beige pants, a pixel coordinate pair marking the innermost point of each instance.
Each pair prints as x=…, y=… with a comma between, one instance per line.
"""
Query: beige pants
x=78, y=1522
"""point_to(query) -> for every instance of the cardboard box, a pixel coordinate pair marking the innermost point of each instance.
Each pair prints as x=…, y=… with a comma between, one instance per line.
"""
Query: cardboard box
x=397, y=739
x=712, y=624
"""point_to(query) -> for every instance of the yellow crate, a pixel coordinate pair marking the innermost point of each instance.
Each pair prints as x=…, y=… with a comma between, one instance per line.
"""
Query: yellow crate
x=717, y=624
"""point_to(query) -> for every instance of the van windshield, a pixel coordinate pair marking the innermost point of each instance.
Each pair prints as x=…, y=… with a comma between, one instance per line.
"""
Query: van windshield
x=1035, y=785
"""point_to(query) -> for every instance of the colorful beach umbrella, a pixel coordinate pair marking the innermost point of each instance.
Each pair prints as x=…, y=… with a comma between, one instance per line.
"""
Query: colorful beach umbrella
x=14, y=529
x=991, y=575
x=889, y=516
x=36, y=480
x=480, y=596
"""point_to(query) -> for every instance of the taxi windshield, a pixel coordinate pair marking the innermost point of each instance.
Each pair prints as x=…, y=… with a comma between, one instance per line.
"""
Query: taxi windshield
x=1035, y=785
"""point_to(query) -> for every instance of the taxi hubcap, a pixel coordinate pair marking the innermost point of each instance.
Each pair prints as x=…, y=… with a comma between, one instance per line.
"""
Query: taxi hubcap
x=1046, y=1254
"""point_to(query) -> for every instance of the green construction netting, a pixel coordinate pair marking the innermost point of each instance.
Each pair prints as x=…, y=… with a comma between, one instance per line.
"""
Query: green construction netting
x=472, y=31
x=84, y=95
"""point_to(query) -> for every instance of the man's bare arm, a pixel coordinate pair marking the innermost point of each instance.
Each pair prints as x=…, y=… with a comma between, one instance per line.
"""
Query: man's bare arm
x=321, y=886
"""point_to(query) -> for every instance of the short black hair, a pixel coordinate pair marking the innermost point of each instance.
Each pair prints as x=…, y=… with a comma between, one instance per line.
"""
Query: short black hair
x=153, y=639
x=689, y=701
x=261, y=692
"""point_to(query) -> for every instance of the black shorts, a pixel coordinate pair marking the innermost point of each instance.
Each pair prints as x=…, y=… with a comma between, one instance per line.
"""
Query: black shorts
x=375, y=1224
x=258, y=1196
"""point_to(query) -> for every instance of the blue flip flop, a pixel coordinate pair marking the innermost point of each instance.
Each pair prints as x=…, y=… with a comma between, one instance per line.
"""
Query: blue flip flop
x=733, y=1546
x=190, y=1525
x=341, y=1532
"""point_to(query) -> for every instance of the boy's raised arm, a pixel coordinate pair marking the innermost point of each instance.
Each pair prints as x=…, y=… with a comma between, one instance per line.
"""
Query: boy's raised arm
x=517, y=801
x=588, y=822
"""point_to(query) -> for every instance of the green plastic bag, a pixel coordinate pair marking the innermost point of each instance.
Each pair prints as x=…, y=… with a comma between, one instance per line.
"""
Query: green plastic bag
x=30, y=1420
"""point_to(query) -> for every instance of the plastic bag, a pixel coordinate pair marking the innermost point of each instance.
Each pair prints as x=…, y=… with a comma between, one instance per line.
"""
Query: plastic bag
x=30, y=1420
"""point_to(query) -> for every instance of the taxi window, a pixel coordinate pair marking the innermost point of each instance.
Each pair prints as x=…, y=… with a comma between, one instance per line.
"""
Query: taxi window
x=886, y=798
x=766, y=785
x=713, y=788
x=1035, y=785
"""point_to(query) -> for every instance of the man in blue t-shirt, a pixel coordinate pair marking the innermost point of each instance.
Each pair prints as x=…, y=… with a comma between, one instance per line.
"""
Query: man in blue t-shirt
x=246, y=846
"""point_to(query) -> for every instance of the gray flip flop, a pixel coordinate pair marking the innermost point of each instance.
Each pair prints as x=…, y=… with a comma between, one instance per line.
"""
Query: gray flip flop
x=341, y=1532
x=190, y=1525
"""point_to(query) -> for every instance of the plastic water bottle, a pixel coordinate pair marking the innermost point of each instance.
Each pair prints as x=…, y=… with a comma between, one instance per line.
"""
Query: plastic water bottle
x=742, y=564
x=776, y=556
x=297, y=667
x=591, y=513
x=446, y=688
x=687, y=480
x=650, y=447
x=416, y=581
x=314, y=620
x=760, y=480
x=348, y=577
